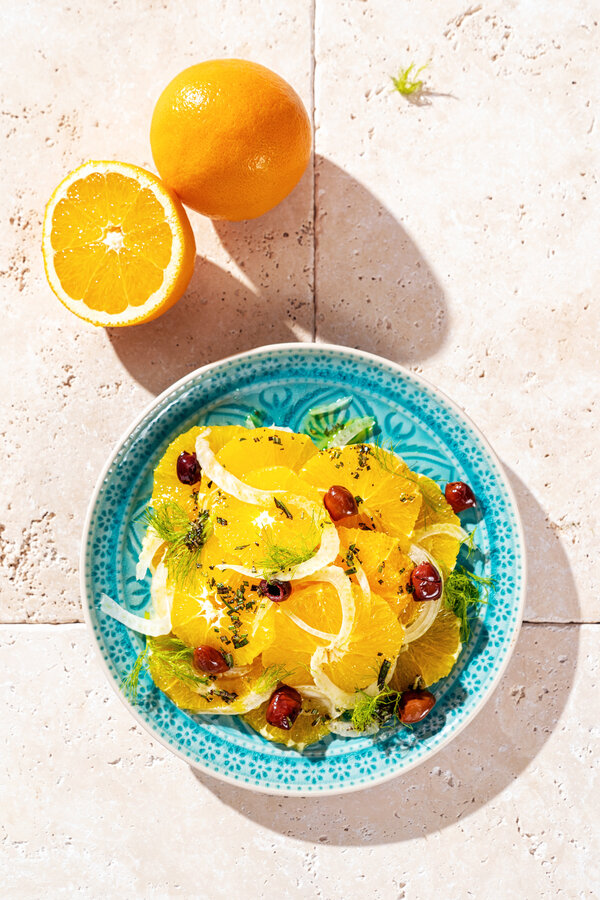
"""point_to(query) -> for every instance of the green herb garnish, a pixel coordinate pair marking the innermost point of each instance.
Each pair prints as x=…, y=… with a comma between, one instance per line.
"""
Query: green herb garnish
x=130, y=684
x=281, y=505
x=462, y=596
x=378, y=710
x=271, y=677
x=175, y=657
x=255, y=419
x=184, y=538
x=281, y=557
x=407, y=83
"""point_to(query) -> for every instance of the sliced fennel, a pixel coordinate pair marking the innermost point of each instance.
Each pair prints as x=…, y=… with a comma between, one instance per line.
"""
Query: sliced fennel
x=313, y=693
x=327, y=409
x=454, y=531
x=347, y=729
x=150, y=545
x=219, y=475
x=354, y=432
x=429, y=608
x=156, y=627
x=339, y=698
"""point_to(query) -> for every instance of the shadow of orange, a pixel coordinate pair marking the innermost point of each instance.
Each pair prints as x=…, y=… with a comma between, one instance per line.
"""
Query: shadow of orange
x=374, y=289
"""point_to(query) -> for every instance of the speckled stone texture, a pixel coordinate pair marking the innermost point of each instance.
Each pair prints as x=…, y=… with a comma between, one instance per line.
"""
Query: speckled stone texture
x=94, y=73
x=456, y=233
x=92, y=806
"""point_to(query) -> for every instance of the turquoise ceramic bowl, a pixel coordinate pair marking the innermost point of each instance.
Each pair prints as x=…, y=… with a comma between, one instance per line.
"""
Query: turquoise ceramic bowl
x=432, y=434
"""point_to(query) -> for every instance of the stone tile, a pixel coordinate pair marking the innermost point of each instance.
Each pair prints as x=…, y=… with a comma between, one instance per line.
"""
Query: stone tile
x=93, y=74
x=457, y=235
x=92, y=806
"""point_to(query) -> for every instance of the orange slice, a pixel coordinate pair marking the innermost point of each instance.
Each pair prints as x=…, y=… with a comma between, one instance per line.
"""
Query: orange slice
x=262, y=447
x=317, y=605
x=239, y=687
x=224, y=612
x=436, y=510
x=118, y=246
x=310, y=726
x=431, y=656
x=167, y=486
x=376, y=635
x=387, y=568
x=388, y=501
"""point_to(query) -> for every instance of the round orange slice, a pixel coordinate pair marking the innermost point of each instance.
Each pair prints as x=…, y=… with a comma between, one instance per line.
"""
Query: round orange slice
x=118, y=246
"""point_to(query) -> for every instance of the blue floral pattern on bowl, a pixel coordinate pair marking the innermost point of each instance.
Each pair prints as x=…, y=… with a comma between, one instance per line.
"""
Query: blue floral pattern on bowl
x=430, y=433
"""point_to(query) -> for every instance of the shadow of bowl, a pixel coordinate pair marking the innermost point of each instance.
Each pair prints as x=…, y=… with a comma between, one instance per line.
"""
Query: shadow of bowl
x=478, y=765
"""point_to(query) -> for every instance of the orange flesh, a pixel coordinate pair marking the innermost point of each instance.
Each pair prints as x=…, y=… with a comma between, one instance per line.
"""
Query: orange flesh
x=111, y=242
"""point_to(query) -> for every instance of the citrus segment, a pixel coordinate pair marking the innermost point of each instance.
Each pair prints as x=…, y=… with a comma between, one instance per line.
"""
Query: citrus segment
x=118, y=247
x=263, y=447
x=310, y=726
x=431, y=656
x=386, y=499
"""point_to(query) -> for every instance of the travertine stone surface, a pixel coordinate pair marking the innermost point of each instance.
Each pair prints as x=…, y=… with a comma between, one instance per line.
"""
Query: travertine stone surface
x=91, y=806
x=93, y=74
x=456, y=234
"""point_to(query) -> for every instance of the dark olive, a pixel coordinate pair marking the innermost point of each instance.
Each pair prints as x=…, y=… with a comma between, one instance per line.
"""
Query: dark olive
x=426, y=582
x=188, y=468
x=459, y=495
x=209, y=660
x=339, y=503
x=284, y=707
x=277, y=591
x=414, y=706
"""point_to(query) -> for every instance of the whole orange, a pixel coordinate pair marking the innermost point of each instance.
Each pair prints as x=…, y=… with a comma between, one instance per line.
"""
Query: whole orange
x=230, y=137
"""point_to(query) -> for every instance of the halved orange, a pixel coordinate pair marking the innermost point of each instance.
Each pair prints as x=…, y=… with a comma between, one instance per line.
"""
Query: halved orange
x=118, y=246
